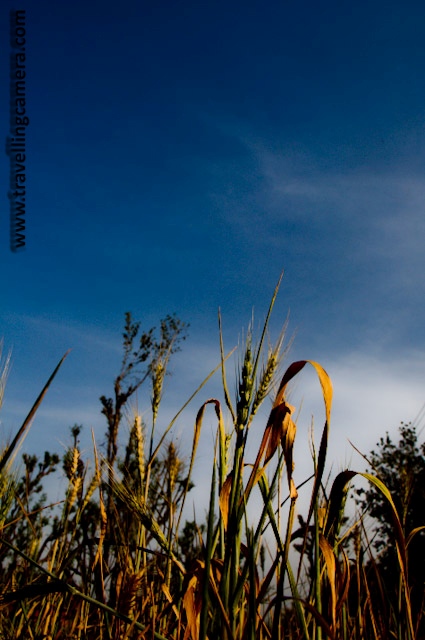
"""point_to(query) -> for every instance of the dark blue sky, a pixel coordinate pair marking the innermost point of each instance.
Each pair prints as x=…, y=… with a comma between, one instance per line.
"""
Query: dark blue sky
x=180, y=155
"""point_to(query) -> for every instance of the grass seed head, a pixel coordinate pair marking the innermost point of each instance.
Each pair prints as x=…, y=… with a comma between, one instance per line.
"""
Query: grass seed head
x=129, y=591
x=173, y=466
x=71, y=463
x=245, y=389
x=94, y=483
x=265, y=382
x=158, y=375
x=74, y=490
x=140, y=444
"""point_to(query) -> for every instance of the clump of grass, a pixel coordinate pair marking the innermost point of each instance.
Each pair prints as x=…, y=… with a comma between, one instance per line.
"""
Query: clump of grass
x=115, y=559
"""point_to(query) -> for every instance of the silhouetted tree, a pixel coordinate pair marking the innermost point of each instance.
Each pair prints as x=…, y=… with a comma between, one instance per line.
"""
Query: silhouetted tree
x=401, y=467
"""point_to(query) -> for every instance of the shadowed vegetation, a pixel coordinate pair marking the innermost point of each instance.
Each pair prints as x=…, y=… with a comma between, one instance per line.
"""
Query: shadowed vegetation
x=117, y=560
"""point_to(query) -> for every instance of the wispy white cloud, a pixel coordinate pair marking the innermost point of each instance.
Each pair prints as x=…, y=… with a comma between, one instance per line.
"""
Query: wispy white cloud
x=63, y=329
x=350, y=238
x=373, y=212
x=385, y=204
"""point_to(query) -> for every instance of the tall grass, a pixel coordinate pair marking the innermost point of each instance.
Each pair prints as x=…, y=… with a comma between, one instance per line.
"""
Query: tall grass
x=117, y=560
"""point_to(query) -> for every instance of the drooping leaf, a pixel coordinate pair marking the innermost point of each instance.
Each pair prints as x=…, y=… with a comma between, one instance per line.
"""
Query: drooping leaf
x=224, y=499
x=330, y=563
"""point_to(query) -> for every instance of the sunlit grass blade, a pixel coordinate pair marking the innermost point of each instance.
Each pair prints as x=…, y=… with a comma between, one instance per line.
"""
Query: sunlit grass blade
x=196, y=436
x=186, y=404
x=336, y=503
x=330, y=564
x=209, y=552
x=4, y=371
x=28, y=420
x=62, y=586
x=223, y=372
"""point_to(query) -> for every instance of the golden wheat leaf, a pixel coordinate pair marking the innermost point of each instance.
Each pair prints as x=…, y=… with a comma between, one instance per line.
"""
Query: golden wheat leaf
x=224, y=498
x=401, y=544
x=169, y=597
x=329, y=557
x=324, y=379
x=192, y=609
x=344, y=580
x=413, y=533
x=279, y=423
x=196, y=436
x=326, y=385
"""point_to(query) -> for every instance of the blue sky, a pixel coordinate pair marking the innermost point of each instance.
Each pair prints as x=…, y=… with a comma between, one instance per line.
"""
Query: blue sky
x=180, y=156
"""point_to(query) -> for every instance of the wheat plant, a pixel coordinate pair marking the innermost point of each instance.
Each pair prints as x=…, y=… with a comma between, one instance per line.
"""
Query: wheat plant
x=115, y=559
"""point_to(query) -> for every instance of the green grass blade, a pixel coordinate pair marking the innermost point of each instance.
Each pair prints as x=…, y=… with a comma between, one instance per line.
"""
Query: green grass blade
x=209, y=551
